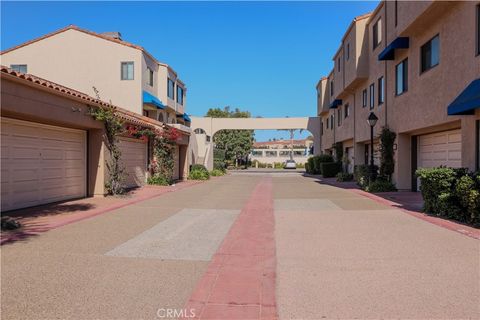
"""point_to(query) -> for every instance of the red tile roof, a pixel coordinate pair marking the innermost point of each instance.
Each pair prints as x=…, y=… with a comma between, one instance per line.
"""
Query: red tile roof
x=126, y=115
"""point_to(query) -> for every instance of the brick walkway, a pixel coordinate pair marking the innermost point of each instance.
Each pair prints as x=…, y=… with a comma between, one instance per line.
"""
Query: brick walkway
x=240, y=280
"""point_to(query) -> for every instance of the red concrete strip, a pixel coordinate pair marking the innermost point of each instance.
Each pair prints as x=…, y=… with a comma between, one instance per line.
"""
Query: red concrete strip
x=240, y=280
x=447, y=224
x=53, y=221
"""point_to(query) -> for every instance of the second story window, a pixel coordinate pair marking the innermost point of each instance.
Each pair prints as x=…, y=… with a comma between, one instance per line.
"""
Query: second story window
x=327, y=123
x=364, y=98
x=401, y=77
x=150, y=77
x=377, y=33
x=331, y=88
x=171, y=89
x=19, y=67
x=372, y=95
x=180, y=95
x=127, y=70
x=321, y=128
x=348, y=51
x=332, y=124
x=430, y=53
x=381, y=89
x=347, y=111
x=338, y=64
x=339, y=117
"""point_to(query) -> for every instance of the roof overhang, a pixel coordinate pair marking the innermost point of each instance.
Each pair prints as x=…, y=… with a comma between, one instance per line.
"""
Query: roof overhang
x=389, y=52
x=467, y=101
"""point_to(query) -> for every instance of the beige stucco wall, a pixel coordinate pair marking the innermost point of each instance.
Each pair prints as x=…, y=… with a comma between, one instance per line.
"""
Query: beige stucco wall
x=82, y=61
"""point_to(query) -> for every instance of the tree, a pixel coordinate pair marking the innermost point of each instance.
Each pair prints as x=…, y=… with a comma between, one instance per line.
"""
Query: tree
x=236, y=143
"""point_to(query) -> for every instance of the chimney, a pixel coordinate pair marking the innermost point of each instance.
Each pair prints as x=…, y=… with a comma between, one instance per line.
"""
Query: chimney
x=113, y=34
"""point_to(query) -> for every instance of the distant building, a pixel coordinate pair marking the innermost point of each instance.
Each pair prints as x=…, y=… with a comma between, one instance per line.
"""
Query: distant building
x=280, y=150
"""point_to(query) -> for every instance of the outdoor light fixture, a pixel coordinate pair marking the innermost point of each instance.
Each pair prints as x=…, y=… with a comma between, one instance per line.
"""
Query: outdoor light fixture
x=372, y=121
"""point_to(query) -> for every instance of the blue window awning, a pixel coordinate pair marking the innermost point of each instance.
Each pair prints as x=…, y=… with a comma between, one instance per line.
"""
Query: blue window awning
x=185, y=117
x=152, y=100
x=335, y=103
x=389, y=52
x=467, y=101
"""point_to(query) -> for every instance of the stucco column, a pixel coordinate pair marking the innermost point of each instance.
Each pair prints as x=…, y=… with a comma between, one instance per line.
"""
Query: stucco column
x=97, y=169
x=183, y=163
x=403, y=162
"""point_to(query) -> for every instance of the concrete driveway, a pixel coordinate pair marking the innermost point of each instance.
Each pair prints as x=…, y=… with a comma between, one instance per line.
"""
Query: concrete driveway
x=245, y=246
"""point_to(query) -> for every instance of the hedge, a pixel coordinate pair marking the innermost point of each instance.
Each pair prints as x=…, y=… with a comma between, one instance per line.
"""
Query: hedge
x=330, y=169
x=313, y=165
x=451, y=193
x=198, y=172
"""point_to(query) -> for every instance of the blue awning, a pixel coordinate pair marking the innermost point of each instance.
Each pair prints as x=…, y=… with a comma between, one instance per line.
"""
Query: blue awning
x=467, y=101
x=389, y=52
x=184, y=116
x=335, y=103
x=152, y=100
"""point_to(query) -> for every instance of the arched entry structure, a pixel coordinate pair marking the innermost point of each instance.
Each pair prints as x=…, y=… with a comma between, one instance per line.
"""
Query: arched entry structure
x=204, y=146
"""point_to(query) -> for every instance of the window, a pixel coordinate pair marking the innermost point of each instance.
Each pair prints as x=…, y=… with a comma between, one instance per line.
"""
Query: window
x=372, y=95
x=332, y=124
x=145, y=113
x=346, y=112
x=270, y=154
x=180, y=95
x=478, y=29
x=161, y=119
x=338, y=64
x=258, y=153
x=127, y=70
x=381, y=94
x=171, y=89
x=19, y=67
x=430, y=53
x=150, y=77
x=327, y=122
x=331, y=88
x=348, y=51
x=377, y=33
x=401, y=77
x=321, y=128
x=339, y=118
x=364, y=98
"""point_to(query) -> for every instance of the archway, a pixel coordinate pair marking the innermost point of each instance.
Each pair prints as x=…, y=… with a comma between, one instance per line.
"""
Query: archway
x=204, y=143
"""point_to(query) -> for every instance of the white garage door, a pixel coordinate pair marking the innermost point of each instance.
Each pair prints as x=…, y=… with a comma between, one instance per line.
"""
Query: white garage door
x=440, y=149
x=41, y=164
x=134, y=159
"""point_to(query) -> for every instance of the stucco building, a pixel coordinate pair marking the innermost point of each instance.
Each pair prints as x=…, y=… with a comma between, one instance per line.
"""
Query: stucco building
x=53, y=149
x=416, y=65
x=111, y=69
x=278, y=151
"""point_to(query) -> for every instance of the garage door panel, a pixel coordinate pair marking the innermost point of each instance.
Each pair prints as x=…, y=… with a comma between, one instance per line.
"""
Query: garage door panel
x=134, y=159
x=440, y=149
x=42, y=164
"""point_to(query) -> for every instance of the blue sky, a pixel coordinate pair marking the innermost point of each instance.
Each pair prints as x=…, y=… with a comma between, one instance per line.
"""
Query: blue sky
x=264, y=57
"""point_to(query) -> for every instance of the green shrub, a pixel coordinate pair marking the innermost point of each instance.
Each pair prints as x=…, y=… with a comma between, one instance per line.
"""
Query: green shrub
x=313, y=164
x=159, y=180
x=344, y=176
x=278, y=165
x=381, y=185
x=301, y=165
x=451, y=193
x=361, y=174
x=198, y=172
x=217, y=173
x=330, y=169
x=219, y=165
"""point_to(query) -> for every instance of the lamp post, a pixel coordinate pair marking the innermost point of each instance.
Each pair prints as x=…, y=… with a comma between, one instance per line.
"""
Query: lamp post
x=372, y=121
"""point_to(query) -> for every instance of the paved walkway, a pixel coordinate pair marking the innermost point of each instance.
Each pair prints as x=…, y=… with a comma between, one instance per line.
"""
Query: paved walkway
x=245, y=246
